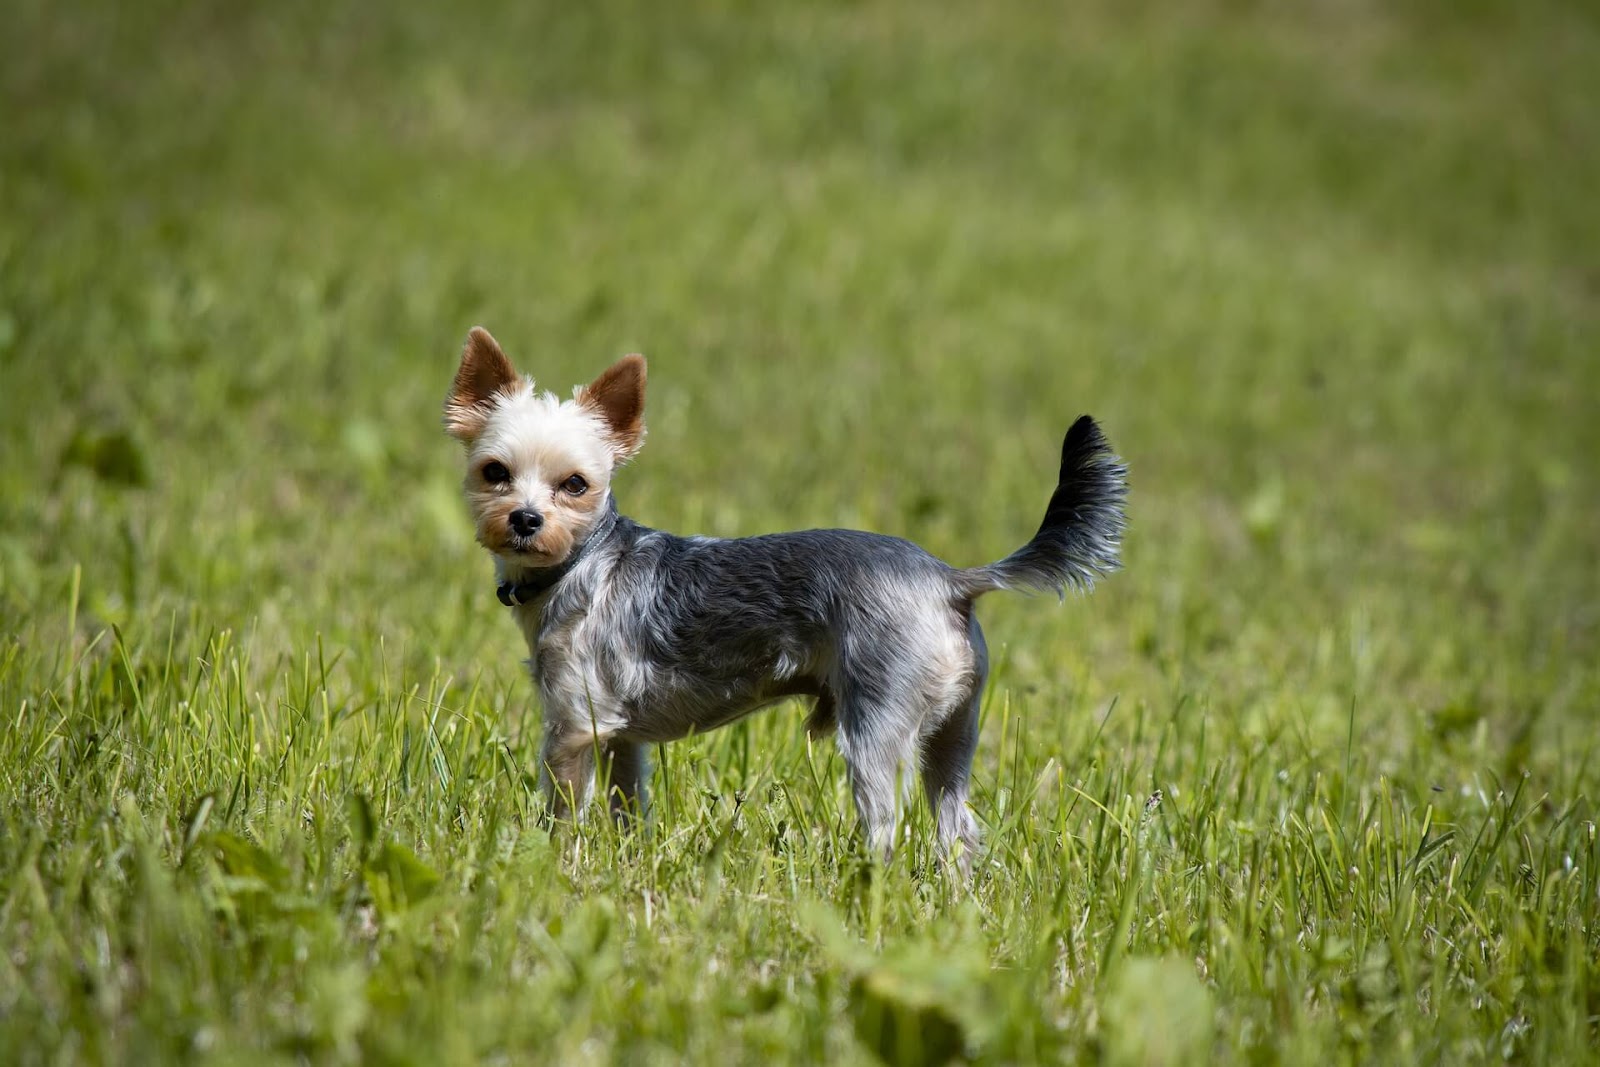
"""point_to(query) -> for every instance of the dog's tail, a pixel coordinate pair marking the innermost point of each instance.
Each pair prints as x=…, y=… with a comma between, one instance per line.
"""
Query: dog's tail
x=1082, y=529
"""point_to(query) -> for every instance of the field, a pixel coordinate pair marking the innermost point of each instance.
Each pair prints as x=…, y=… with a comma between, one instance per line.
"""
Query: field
x=1311, y=780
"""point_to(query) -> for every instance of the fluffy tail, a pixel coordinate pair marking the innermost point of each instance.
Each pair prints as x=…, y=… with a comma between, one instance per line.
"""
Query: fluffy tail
x=1082, y=529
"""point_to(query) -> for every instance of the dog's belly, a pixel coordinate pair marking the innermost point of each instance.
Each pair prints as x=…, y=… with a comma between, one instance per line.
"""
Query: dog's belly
x=677, y=711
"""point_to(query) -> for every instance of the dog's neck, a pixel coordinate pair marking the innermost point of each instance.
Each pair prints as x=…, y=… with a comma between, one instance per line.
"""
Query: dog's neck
x=518, y=586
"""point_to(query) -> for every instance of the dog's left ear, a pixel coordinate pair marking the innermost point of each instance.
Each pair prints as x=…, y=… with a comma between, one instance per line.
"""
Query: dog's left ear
x=618, y=397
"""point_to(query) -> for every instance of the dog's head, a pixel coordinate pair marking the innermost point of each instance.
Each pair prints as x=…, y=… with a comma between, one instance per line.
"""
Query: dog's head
x=539, y=468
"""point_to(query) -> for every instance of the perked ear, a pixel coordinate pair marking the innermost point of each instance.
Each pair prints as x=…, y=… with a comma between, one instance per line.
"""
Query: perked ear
x=485, y=371
x=618, y=397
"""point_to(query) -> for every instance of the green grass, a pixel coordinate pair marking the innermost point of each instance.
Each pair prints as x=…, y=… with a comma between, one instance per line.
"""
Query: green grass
x=1310, y=781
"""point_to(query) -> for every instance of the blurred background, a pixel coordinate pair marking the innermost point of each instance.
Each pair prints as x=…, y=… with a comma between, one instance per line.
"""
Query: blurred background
x=1326, y=272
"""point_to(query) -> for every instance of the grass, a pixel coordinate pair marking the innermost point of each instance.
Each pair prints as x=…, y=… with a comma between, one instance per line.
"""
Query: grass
x=1312, y=780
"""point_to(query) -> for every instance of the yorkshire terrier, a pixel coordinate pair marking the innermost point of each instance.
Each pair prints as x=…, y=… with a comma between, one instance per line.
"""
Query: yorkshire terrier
x=638, y=636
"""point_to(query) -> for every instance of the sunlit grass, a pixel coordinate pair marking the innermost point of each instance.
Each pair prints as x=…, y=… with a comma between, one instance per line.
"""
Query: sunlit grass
x=1311, y=779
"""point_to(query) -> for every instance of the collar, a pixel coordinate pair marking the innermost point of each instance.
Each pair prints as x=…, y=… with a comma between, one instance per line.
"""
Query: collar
x=516, y=594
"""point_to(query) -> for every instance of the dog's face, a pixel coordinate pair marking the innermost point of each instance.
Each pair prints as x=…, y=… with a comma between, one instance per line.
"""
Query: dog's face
x=539, y=468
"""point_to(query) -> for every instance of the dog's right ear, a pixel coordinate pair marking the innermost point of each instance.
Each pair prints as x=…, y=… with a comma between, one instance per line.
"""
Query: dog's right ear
x=485, y=371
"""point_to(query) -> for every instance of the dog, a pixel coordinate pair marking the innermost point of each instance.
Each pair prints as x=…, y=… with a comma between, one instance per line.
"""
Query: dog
x=637, y=636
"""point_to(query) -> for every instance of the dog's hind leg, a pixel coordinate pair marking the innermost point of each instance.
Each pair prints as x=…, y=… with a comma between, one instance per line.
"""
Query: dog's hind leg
x=947, y=776
x=947, y=752
x=878, y=744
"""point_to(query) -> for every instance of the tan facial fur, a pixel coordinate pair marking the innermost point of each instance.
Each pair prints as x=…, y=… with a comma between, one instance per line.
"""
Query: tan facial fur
x=542, y=442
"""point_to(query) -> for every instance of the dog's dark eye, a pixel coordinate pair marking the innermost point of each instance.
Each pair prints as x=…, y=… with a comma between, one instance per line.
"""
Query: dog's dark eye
x=576, y=485
x=496, y=473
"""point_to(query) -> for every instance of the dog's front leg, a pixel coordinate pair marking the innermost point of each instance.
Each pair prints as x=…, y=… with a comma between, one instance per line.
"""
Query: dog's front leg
x=627, y=774
x=567, y=770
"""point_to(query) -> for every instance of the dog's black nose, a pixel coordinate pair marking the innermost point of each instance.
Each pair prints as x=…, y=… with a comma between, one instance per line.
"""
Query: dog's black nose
x=525, y=522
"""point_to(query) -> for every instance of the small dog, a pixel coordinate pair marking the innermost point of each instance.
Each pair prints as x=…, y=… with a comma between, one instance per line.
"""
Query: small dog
x=637, y=636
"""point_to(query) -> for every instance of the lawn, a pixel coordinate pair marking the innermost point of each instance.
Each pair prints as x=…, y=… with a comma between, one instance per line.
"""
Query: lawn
x=1311, y=780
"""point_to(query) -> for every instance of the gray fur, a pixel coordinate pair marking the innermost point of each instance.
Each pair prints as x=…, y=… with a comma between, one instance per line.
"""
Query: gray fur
x=650, y=637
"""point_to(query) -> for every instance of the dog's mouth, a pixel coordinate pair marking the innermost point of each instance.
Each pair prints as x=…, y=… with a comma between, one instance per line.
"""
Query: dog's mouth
x=547, y=546
x=517, y=547
x=526, y=550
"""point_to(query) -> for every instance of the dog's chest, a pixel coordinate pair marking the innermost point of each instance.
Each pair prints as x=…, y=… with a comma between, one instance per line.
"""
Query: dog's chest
x=583, y=654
